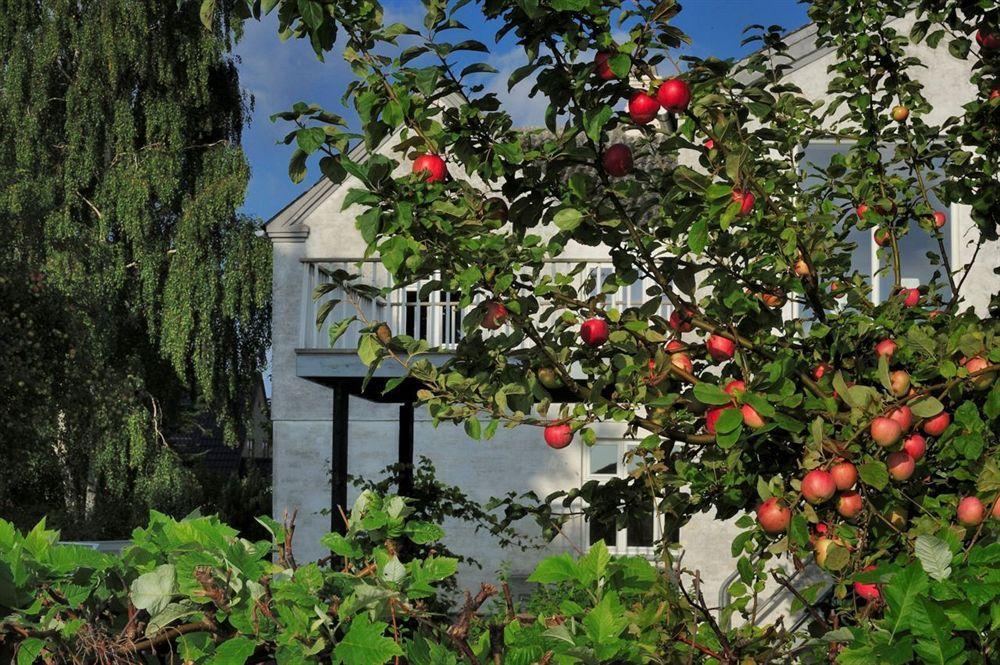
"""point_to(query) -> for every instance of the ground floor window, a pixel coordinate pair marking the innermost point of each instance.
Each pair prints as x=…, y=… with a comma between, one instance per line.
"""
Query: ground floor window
x=605, y=460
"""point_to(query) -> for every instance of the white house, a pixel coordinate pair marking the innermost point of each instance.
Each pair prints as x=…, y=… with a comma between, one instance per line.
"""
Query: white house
x=313, y=235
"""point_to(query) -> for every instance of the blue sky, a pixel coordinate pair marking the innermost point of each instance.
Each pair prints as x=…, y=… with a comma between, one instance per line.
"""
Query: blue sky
x=279, y=74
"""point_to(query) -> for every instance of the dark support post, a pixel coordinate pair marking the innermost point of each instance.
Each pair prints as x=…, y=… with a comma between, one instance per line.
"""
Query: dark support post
x=406, y=448
x=338, y=458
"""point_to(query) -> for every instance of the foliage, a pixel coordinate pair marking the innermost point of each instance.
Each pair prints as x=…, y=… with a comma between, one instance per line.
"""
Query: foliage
x=436, y=502
x=194, y=589
x=682, y=221
x=134, y=284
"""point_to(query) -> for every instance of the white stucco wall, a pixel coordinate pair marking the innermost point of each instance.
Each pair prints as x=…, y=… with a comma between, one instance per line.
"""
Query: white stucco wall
x=515, y=459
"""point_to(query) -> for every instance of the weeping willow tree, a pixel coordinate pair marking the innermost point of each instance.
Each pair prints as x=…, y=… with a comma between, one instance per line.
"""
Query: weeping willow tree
x=131, y=284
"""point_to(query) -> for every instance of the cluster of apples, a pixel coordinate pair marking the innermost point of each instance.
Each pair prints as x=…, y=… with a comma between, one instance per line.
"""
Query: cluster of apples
x=672, y=95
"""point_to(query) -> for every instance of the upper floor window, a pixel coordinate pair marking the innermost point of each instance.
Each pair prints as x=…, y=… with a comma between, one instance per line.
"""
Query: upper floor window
x=914, y=246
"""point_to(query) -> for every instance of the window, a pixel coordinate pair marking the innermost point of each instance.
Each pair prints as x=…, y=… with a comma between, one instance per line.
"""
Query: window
x=606, y=460
x=914, y=246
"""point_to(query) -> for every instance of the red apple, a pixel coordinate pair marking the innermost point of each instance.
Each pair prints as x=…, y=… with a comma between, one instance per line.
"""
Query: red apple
x=994, y=93
x=617, y=160
x=558, y=436
x=900, y=464
x=900, y=113
x=886, y=348
x=849, y=505
x=709, y=144
x=882, y=237
x=915, y=446
x=844, y=475
x=822, y=549
x=971, y=511
x=594, y=331
x=432, y=166
x=985, y=380
x=900, y=382
x=680, y=322
x=751, y=418
x=818, y=486
x=996, y=509
x=674, y=95
x=720, y=348
x=904, y=416
x=712, y=416
x=987, y=39
x=937, y=425
x=820, y=370
x=817, y=532
x=735, y=387
x=773, y=517
x=745, y=200
x=838, y=289
x=496, y=315
x=773, y=300
x=642, y=107
x=866, y=590
x=940, y=219
x=604, y=70
x=862, y=210
x=682, y=361
x=885, y=431
x=910, y=297
x=675, y=346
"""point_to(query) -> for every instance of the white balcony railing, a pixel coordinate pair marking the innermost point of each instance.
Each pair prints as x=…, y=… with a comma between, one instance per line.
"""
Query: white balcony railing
x=436, y=317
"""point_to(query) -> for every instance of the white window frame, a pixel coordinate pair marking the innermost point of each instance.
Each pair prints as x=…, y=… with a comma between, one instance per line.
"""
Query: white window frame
x=620, y=547
x=793, y=309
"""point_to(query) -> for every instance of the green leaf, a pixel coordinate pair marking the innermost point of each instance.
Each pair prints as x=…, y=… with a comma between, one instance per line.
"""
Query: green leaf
x=297, y=166
x=698, y=236
x=902, y=595
x=152, y=591
x=605, y=622
x=594, y=121
x=558, y=568
x=338, y=329
x=310, y=139
x=934, y=555
x=935, y=643
x=312, y=13
x=926, y=406
x=874, y=474
x=170, y=613
x=709, y=393
x=365, y=644
x=207, y=13
x=28, y=650
x=423, y=532
x=568, y=219
x=342, y=546
x=234, y=651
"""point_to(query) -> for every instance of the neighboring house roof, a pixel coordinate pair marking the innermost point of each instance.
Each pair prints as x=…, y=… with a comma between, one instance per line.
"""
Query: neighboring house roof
x=287, y=223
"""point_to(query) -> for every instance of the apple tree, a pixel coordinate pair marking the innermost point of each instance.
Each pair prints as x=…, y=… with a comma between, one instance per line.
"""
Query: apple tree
x=759, y=374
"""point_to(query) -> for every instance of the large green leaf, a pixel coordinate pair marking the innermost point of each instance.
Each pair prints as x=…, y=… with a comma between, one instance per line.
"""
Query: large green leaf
x=365, y=644
x=902, y=595
x=934, y=555
x=152, y=592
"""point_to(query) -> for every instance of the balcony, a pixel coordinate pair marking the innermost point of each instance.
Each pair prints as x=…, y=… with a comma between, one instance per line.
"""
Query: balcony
x=435, y=316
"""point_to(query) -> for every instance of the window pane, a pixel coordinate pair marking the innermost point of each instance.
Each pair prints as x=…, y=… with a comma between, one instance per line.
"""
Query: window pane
x=601, y=530
x=640, y=530
x=604, y=459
